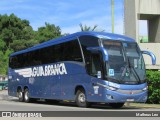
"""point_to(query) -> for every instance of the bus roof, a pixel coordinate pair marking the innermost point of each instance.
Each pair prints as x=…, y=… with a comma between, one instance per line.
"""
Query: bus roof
x=74, y=35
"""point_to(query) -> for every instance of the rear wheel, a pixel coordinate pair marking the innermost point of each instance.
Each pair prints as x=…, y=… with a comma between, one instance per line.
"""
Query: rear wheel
x=81, y=99
x=20, y=95
x=26, y=95
x=116, y=105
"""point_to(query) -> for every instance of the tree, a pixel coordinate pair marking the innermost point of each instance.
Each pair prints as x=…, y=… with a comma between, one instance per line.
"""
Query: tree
x=18, y=45
x=4, y=61
x=2, y=69
x=2, y=45
x=50, y=31
x=17, y=34
x=88, y=28
x=13, y=28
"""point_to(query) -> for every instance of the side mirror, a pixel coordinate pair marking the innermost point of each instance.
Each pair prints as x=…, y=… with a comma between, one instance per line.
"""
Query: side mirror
x=101, y=49
x=153, y=57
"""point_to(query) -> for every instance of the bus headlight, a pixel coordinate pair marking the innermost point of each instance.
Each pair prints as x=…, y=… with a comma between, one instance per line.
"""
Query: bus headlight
x=112, y=88
x=146, y=88
x=107, y=87
x=145, y=98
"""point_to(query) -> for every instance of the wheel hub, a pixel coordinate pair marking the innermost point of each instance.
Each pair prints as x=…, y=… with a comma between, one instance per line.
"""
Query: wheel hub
x=20, y=95
x=26, y=96
x=82, y=98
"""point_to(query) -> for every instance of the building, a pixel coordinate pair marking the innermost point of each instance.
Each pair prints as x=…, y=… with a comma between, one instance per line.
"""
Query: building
x=149, y=10
x=3, y=78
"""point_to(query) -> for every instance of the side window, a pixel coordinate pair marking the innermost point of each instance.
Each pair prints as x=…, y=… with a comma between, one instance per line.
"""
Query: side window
x=58, y=52
x=72, y=51
x=13, y=62
x=46, y=55
x=76, y=55
x=36, y=58
x=88, y=41
x=68, y=51
x=94, y=66
x=20, y=61
x=26, y=59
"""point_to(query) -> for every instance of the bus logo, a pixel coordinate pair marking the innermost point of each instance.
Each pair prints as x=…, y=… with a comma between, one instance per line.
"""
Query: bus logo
x=47, y=70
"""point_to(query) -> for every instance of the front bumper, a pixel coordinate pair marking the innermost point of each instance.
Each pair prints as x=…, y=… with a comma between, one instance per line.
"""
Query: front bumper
x=129, y=96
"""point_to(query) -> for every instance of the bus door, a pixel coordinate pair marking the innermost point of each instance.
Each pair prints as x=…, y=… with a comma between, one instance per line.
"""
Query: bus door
x=95, y=65
x=95, y=70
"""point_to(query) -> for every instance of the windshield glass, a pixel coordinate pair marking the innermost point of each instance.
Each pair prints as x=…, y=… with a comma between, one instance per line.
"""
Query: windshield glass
x=125, y=62
x=135, y=60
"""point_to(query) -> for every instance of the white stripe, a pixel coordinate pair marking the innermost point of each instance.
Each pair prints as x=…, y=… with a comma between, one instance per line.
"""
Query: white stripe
x=24, y=72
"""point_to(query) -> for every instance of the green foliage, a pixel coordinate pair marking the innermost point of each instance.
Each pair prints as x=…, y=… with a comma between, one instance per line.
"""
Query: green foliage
x=18, y=45
x=4, y=61
x=12, y=28
x=48, y=32
x=2, y=45
x=17, y=34
x=153, y=79
x=88, y=28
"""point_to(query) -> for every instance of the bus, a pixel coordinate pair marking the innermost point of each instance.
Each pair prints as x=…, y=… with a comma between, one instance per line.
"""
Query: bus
x=3, y=85
x=84, y=67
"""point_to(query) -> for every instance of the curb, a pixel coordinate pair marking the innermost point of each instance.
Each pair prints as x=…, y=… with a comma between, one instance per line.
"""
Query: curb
x=139, y=105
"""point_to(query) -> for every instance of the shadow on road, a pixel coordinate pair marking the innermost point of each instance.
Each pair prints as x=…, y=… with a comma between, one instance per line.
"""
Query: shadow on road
x=73, y=104
x=4, y=96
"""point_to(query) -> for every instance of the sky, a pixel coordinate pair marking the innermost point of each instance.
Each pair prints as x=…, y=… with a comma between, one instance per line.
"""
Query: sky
x=68, y=14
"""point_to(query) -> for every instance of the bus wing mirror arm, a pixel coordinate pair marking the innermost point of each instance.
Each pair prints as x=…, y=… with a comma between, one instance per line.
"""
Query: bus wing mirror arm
x=153, y=57
x=101, y=49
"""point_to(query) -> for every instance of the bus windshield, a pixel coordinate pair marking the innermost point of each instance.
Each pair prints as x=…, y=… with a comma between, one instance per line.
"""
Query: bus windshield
x=125, y=62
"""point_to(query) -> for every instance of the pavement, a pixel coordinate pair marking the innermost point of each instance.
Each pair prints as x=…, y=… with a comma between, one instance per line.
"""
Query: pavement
x=8, y=103
x=4, y=96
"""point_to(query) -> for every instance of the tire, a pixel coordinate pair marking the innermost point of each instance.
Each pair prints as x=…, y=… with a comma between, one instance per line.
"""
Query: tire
x=26, y=96
x=81, y=99
x=116, y=105
x=20, y=95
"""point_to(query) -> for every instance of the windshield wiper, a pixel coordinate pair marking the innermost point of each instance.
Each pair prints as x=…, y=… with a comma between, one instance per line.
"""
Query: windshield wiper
x=134, y=71
x=119, y=81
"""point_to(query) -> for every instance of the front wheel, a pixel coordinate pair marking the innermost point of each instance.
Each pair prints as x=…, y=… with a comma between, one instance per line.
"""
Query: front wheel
x=81, y=99
x=116, y=105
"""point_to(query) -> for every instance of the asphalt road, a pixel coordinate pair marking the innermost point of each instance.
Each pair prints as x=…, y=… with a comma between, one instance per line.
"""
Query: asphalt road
x=14, y=105
x=8, y=103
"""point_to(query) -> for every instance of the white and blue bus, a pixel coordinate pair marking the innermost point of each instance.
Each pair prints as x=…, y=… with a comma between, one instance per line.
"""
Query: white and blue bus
x=85, y=67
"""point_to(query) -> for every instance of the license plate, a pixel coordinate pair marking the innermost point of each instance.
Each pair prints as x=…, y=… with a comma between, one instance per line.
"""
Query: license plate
x=130, y=100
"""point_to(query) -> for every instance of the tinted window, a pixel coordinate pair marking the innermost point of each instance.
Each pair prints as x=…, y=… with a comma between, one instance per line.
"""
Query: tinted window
x=95, y=65
x=131, y=49
x=72, y=51
x=88, y=41
x=68, y=51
